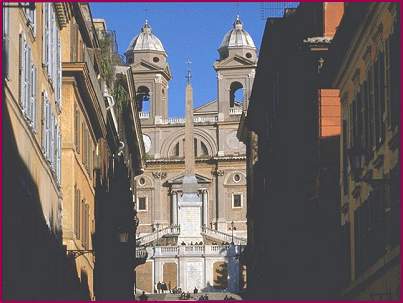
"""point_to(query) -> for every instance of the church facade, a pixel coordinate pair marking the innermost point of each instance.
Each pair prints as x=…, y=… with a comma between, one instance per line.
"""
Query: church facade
x=195, y=246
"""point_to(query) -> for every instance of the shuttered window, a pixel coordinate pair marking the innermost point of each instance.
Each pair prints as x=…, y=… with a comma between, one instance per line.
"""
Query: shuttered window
x=51, y=50
x=31, y=111
x=84, y=136
x=77, y=220
x=6, y=40
x=46, y=35
x=31, y=17
x=77, y=128
x=83, y=228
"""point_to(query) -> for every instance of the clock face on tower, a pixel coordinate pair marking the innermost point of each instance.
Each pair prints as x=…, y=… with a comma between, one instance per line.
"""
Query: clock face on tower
x=147, y=143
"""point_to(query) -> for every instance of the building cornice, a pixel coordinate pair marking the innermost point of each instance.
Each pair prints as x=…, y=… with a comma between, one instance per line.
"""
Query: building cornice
x=96, y=108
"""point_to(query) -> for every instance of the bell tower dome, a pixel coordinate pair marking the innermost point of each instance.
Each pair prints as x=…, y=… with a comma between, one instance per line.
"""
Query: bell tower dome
x=235, y=71
x=148, y=61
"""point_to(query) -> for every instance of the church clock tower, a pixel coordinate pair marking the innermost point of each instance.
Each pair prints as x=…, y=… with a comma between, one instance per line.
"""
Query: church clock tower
x=148, y=61
x=235, y=71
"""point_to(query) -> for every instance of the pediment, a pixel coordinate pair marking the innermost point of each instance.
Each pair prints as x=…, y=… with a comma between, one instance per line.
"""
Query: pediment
x=179, y=179
x=207, y=107
x=146, y=66
x=236, y=61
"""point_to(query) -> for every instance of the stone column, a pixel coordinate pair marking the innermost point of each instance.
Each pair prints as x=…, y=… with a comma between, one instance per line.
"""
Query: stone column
x=205, y=207
x=220, y=204
x=158, y=210
x=174, y=207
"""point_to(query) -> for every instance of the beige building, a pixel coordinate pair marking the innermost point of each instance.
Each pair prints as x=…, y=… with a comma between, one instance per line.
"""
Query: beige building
x=220, y=157
x=364, y=63
x=84, y=132
x=34, y=257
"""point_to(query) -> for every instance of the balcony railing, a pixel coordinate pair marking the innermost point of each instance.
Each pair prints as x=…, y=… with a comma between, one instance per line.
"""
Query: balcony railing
x=172, y=230
x=94, y=79
x=193, y=250
x=221, y=236
x=141, y=253
x=171, y=121
x=234, y=111
x=144, y=115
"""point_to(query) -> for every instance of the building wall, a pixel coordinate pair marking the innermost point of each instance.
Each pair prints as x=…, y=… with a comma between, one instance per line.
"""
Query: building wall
x=366, y=72
x=29, y=139
x=32, y=197
x=81, y=151
x=291, y=130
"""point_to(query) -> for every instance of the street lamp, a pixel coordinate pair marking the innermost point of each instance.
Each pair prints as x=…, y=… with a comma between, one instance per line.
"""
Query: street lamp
x=232, y=232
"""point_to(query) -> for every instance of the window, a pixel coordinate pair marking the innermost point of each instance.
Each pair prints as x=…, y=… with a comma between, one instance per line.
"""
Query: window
x=143, y=99
x=204, y=151
x=236, y=178
x=84, y=138
x=236, y=93
x=236, y=200
x=83, y=223
x=142, y=204
x=6, y=39
x=51, y=50
x=77, y=212
x=30, y=14
x=77, y=129
x=370, y=230
x=142, y=181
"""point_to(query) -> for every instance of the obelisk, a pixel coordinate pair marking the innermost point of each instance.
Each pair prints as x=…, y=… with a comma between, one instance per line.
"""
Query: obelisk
x=190, y=203
x=189, y=180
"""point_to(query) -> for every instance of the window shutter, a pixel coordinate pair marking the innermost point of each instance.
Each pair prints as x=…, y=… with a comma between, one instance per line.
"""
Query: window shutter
x=87, y=225
x=45, y=38
x=59, y=154
x=52, y=141
x=83, y=222
x=48, y=113
x=32, y=111
x=78, y=221
x=22, y=68
x=27, y=86
x=43, y=123
x=50, y=46
x=59, y=72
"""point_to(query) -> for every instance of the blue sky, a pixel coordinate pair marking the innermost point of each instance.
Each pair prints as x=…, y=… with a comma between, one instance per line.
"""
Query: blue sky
x=187, y=30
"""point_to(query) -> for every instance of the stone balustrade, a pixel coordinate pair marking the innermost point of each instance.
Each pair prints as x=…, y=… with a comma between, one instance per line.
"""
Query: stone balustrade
x=144, y=115
x=171, y=121
x=172, y=230
x=192, y=250
x=221, y=236
x=235, y=111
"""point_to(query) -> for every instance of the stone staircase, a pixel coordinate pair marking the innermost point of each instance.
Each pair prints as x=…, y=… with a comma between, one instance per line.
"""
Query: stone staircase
x=221, y=236
x=172, y=230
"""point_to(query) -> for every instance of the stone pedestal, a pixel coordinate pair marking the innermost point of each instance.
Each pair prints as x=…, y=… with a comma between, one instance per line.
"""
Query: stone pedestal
x=190, y=218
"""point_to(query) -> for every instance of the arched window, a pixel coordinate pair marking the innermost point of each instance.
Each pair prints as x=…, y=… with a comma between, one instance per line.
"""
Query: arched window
x=143, y=99
x=200, y=149
x=176, y=150
x=236, y=93
x=204, y=151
